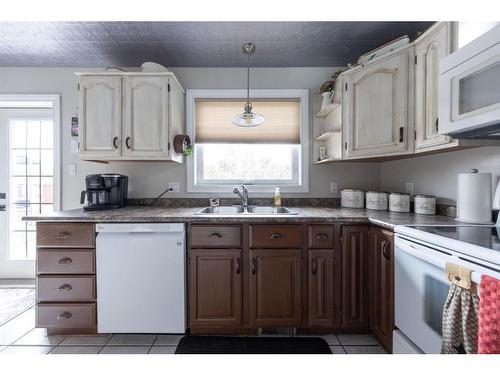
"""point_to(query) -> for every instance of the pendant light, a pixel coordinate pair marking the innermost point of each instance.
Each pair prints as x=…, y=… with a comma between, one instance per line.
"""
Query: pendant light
x=248, y=119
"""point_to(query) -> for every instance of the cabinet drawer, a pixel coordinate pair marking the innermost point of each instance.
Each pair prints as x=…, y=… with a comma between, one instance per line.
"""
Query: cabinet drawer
x=63, y=316
x=65, y=235
x=65, y=289
x=215, y=236
x=276, y=236
x=320, y=237
x=63, y=261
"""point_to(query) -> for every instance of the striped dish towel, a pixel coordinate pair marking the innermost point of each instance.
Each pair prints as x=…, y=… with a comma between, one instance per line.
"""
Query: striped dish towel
x=489, y=316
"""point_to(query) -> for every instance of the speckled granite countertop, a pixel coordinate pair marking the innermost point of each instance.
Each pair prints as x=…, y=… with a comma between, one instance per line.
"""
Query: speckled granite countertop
x=141, y=214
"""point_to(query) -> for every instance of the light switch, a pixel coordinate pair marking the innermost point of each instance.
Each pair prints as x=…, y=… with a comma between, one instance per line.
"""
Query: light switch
x=72, y=169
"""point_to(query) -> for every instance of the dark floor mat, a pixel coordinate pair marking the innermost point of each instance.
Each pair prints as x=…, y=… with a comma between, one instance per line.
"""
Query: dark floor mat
x=252, y=345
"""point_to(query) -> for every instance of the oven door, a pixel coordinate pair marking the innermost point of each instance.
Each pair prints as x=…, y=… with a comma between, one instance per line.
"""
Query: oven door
x=421, y=289
x=469, y=95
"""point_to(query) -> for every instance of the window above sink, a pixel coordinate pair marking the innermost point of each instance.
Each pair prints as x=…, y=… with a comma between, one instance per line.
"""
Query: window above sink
x=226, y=155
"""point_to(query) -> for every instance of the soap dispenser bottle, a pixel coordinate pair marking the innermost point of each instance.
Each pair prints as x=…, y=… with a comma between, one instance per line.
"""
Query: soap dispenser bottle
x=277, y=197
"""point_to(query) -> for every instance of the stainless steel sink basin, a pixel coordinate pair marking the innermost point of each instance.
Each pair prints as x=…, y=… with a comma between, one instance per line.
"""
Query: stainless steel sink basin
x=245, y=210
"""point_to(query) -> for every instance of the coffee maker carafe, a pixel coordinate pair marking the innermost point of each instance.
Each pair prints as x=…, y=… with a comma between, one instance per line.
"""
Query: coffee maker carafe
x=104, y=192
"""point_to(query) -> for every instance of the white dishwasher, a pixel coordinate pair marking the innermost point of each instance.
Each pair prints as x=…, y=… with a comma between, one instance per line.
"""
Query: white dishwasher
x=141, y=278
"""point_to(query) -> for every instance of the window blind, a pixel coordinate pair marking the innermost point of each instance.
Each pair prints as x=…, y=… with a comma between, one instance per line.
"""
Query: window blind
x=213, y=121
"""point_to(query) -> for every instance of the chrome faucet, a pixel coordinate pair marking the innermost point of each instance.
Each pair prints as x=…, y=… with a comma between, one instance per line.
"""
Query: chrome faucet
x=243, y=194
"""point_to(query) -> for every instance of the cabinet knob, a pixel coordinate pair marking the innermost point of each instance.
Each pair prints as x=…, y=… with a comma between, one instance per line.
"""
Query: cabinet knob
x=65, y=260
x=65, y=288
x=64, y=315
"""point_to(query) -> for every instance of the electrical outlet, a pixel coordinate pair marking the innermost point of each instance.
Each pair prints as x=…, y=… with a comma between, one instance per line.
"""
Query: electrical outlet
x=72, y=169
x=410, y=188
x=174, y=186
x=334, y=188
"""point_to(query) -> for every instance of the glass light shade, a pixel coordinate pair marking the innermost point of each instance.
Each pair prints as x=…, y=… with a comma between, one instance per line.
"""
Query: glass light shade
x=248, y=120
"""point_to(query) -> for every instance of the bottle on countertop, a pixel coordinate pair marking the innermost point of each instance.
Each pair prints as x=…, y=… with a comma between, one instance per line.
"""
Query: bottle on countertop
x=277, y=197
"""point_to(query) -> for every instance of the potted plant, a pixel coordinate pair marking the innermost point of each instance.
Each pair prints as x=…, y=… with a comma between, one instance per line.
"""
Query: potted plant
x=328, y=88
x=183, y=145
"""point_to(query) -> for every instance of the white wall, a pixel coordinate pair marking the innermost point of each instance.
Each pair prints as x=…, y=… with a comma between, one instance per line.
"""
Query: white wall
x=149, y=179
x=437, y=174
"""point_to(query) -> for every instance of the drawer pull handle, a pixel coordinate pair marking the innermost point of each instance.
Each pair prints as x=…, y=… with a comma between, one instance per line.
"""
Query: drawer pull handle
x=63, y=235
x=65, y=260
x=64, y=315
x=65, y=288
x=216, y=234
x=322, y=236
x=276, y=236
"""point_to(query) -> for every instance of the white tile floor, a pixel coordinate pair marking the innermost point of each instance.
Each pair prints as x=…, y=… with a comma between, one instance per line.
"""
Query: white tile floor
x=19, y=336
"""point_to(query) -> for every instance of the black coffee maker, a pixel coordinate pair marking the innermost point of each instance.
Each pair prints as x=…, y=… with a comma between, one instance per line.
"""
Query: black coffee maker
x=104, y=192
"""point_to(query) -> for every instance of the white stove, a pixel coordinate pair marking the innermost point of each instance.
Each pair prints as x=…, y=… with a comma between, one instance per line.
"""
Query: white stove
x=421, y=285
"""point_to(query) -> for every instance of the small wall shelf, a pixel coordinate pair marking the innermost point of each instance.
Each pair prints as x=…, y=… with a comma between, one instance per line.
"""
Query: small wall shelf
x=327, y=160
x=327, y=110
x=325, y=136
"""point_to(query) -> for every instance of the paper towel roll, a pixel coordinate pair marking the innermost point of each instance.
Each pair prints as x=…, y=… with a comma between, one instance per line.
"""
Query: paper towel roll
x=474, y=197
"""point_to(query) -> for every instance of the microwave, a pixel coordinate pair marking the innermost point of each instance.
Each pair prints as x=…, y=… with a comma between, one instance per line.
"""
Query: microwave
x=469, y=89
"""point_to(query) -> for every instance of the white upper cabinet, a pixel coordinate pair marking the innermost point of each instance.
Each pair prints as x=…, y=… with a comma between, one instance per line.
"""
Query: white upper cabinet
x=376, y=96
x=130, y=116
x=430, y=48
x=145, y=117
x=100, y=116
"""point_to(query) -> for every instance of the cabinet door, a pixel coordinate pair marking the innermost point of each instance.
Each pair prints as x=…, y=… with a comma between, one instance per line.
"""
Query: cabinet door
x=377, y=122
x=145, y=113
x=321, y=288
x=355, y=276
x=429, y=51
x=275, y=288
x=100, y=116
x=215, y=288
x=381, y=261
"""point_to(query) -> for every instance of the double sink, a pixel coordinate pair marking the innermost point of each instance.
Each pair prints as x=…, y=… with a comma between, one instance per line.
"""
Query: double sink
x=245, y=210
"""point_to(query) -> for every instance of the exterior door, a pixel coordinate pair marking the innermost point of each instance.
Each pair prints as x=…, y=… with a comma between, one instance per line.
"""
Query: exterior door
x=275, y=288
x=100, y=117
x=381, y=264
x=377, y=108
x=321, y=288
x=429, y=51
x=145, y=114
x=355, y=276
x=215, y=288
x=27, y=185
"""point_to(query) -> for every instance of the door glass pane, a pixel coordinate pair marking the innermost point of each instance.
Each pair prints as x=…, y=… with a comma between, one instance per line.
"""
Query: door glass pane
x=31, y=181
x=480, y=89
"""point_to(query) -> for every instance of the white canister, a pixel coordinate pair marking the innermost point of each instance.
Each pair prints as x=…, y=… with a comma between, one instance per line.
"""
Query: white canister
x=399, y=202
x=425, y=204
x=376, y=200
x=474, y=197
x=352, y=198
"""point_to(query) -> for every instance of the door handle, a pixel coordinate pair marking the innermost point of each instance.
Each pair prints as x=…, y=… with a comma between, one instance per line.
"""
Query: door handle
x=238, y=265
x=115, y=142
x=384, y=249
x=65, y=288
x=315, y=266
x=436, y=125
x=127, y=143
x=401, y=134
x=254, y=265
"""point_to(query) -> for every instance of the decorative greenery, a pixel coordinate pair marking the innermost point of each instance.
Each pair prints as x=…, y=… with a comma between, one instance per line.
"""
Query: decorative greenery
x=187, y=150
x=329, y=86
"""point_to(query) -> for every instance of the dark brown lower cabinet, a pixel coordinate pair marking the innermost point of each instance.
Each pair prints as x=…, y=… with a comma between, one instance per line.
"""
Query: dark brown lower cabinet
x=381, y=264
x=275, y=288
x=321, y=288
x=215, y=288
x=355, y=311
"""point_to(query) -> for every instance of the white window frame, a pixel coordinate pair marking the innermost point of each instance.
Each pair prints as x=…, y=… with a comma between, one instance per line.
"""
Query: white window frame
x=193, y=185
